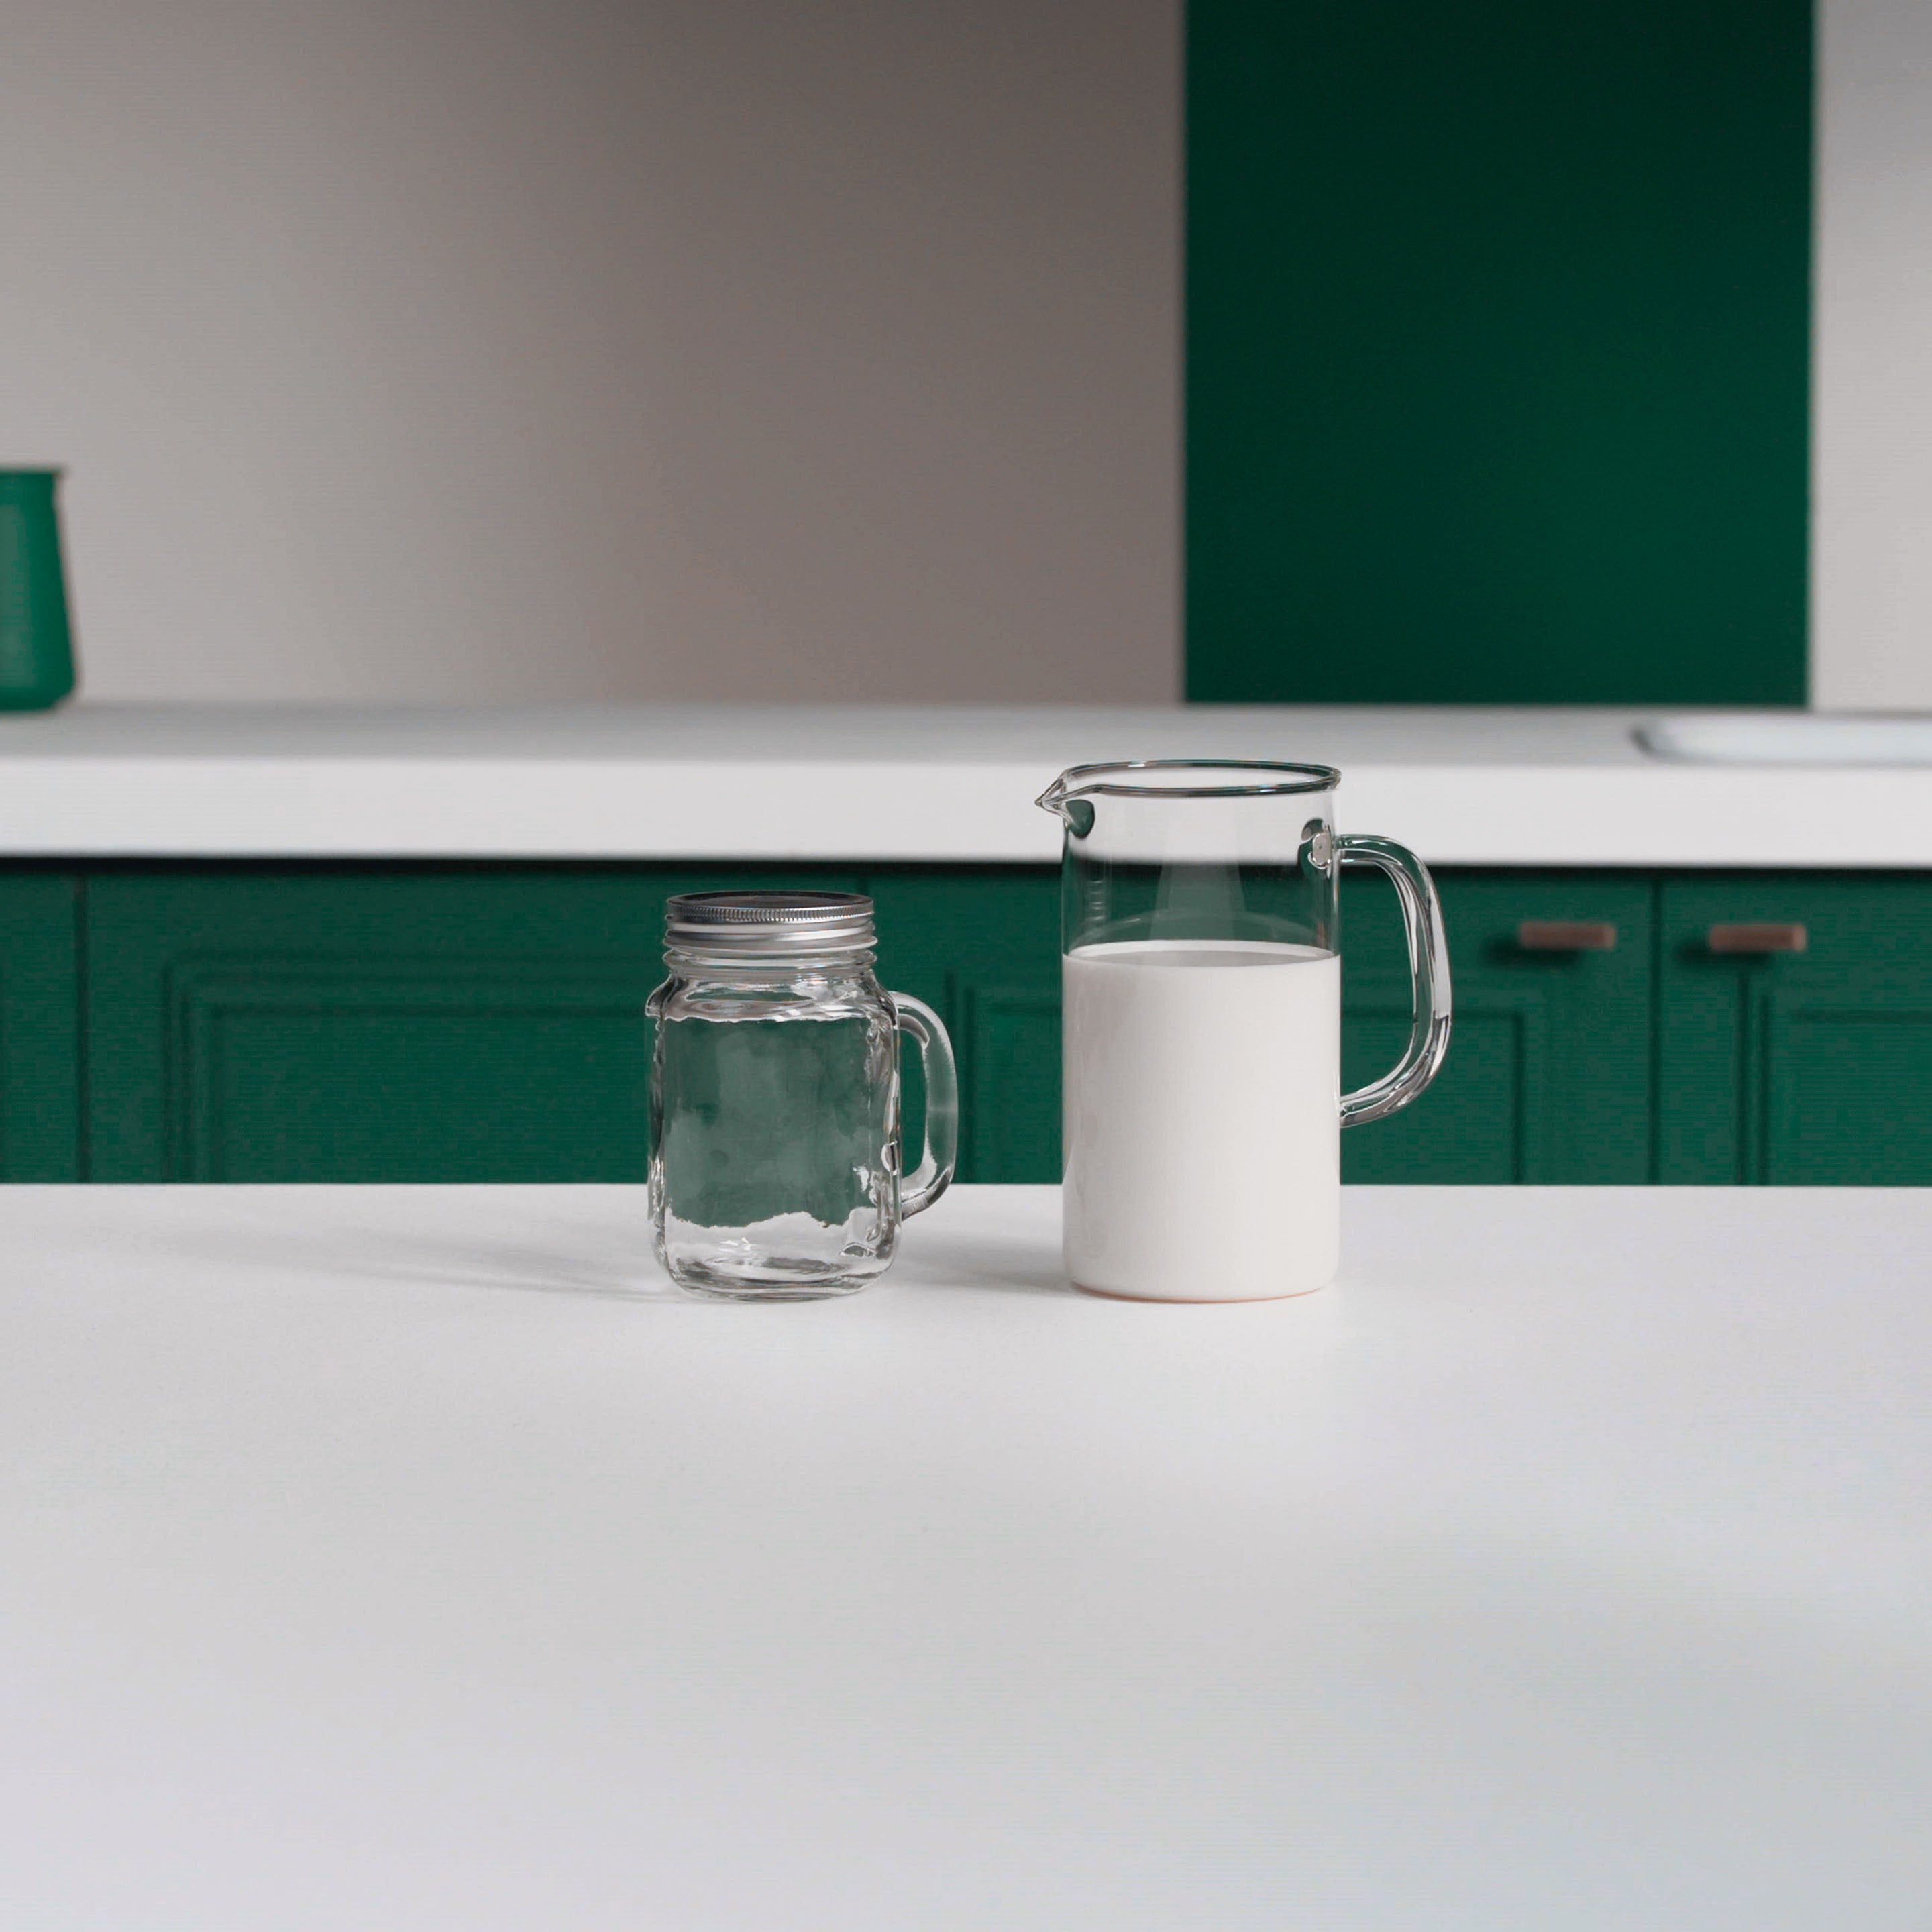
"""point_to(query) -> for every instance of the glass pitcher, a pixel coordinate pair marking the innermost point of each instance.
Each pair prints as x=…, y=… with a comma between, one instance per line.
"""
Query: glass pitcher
x=1202, y=987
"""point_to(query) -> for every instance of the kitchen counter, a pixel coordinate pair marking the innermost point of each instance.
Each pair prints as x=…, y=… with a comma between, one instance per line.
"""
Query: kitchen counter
x=417, y=1558
x=1465, y=787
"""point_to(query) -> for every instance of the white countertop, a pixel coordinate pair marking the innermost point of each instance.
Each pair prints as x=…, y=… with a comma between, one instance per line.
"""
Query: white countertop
x=1464, y=787
x=412, y=1558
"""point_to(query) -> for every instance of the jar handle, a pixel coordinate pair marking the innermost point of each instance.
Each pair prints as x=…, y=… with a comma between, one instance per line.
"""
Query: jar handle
x=1429, y=974
x=924, y=1185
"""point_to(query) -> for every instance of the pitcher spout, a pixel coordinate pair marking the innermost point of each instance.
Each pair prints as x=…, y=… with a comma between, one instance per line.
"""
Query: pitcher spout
x=1065, y=802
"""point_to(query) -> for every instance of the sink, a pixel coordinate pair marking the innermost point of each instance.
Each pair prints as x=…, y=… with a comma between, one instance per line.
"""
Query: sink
x=1791, y=738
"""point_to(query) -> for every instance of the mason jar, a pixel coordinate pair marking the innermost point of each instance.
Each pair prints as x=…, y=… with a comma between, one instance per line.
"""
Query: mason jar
x=776, y=1143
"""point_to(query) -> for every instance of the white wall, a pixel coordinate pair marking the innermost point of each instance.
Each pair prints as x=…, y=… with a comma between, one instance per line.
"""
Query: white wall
x=488, y=350
x=502, y=348
x=1871, y=539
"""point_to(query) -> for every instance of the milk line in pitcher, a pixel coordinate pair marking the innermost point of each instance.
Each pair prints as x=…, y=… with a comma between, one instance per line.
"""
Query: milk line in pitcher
x=1201, y=978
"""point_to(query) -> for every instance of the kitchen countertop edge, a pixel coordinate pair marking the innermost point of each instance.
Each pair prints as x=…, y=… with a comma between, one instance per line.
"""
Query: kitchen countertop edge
x=912, y=785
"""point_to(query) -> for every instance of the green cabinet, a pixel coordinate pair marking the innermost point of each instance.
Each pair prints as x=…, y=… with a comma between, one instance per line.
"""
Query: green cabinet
x=1549, y=1074
x=392, y=1023
x=485, y=1022
x=981, y=945
x=1784, y=1066
x=39, y=1123
x=1549, y=1080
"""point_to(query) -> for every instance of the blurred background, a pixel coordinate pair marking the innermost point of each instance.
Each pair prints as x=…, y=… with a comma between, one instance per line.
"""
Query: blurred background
x=499, y=349
x=478, y=350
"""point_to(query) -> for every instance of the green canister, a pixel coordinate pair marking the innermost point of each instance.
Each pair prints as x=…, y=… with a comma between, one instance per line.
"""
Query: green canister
x=36, y=651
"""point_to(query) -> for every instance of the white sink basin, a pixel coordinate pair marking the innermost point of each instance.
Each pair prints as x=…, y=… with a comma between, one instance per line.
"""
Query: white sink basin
x=1796, y=738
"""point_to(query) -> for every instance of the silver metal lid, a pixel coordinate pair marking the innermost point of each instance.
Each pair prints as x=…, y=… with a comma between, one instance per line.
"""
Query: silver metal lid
x=768, y=924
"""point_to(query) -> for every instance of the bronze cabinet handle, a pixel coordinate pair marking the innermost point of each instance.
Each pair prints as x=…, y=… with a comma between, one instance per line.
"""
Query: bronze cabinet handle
x=1788, y=937
x=1567, y=935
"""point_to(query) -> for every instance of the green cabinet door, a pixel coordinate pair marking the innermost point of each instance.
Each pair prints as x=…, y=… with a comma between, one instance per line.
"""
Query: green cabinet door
x=389, y=1024
x=1548, y=1077
x=981, y=945
x=40, y=1085
x=1787, y=1067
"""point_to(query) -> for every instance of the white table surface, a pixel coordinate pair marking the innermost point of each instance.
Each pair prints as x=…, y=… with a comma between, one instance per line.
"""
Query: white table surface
x=414, y=1559
x=1487, y=785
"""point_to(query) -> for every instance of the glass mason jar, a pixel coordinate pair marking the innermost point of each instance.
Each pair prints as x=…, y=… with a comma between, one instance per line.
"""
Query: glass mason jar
x=776, y=1135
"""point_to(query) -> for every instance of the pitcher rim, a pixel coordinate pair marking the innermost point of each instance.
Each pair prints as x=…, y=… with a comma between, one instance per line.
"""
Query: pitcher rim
x=1077, y=780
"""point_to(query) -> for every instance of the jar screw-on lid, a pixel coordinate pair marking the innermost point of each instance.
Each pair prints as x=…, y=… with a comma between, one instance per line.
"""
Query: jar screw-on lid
x=755, y=924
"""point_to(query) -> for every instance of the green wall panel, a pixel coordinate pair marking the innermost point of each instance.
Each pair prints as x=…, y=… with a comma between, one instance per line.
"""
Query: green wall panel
x=40, y=1138
x=1497, y=319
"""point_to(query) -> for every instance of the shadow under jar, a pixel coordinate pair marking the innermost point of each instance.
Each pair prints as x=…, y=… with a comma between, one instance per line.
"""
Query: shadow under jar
x=775, y=1134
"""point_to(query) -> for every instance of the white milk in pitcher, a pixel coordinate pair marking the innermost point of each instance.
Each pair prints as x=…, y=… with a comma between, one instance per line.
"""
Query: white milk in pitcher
x=1203, y=1127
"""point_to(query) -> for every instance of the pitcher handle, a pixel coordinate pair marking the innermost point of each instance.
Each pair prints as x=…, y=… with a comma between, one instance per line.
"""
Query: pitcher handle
x=1429, y=974
x=924, y=1185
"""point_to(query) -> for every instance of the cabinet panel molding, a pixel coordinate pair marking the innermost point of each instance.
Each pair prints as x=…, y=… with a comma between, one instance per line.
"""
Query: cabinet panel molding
x=298, y=1067
x=1548, y=1078
x=1844, y=1092
x=1797, y=1068
x=1486, y=1119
